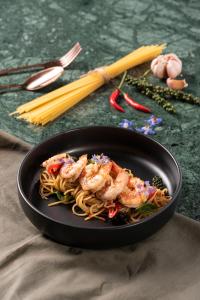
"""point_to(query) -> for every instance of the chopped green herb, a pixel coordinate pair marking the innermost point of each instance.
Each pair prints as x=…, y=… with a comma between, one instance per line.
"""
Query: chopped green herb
x=63, y=197
x=147, y=208
x=59, y=195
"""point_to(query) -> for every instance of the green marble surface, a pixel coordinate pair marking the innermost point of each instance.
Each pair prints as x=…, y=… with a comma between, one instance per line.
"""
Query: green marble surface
x=34, y=31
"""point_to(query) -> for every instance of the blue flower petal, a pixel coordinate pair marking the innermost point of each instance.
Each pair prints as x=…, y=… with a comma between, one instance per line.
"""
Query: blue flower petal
x=153, y=121
x=139, y=130
x=126, y=124
x=146, y=130
x=151, y=132
x=100, y=159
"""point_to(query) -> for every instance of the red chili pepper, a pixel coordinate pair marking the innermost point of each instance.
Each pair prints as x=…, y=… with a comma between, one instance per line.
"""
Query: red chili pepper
x=113, y=100
x=135, y=104
x=53, y=169
x=113, y=210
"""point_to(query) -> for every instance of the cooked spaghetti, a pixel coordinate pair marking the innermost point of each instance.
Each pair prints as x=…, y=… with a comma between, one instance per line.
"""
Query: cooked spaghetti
x=99, y=188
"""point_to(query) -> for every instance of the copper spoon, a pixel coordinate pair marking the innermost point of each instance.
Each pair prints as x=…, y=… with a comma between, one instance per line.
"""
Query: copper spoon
x=38, y=80
x=48, y=75
x=64, y=61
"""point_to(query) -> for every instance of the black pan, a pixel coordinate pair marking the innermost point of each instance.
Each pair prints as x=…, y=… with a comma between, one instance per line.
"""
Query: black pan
x=130, y=149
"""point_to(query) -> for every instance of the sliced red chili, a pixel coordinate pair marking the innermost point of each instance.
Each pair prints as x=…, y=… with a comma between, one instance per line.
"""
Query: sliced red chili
x=151, y=194
x=113, y=210
x=135, y=104
x=113, y=100
x=53, y=169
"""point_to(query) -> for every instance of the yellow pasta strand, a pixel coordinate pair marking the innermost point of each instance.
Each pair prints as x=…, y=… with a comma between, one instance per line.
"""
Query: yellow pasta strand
x=50, y=111
x=48, y=107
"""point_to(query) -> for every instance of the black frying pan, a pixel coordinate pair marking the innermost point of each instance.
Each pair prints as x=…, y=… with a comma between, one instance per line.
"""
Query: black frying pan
x=130, y=149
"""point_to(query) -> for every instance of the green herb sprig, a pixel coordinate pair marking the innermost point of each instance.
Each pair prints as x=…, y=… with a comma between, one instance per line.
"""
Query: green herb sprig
x=160, y=94
x=64, y=199
x=147, y=208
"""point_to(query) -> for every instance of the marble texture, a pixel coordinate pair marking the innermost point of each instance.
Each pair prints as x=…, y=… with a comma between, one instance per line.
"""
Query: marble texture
x=34, y=31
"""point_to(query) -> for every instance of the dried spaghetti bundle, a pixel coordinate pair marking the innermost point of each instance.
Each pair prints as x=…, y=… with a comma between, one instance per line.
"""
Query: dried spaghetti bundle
x=50, y=106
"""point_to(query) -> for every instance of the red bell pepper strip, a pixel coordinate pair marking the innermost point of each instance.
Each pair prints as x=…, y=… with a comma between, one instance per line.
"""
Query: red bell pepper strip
x=113, y=100
x=135, y=104
x=53, y=169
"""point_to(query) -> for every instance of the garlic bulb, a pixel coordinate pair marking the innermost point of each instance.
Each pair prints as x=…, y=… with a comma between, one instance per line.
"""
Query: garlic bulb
x=168, y=65
x=176, y=84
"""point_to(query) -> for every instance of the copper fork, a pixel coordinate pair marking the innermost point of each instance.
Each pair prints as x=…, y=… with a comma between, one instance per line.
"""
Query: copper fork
x=64, y=61
x=51, y=72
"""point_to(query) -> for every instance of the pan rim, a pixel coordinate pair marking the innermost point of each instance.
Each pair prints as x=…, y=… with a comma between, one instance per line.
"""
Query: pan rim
x=115, y=227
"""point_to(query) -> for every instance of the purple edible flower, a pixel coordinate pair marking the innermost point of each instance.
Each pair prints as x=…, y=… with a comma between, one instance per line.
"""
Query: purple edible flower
x=104, y=159
x=67, y=161
x=139, y=187
x=153, y=121
x=95, y=158
x=146, y=130
x=151, y=189
x=146, y=194
x=126, y=124
x=100, y=159
x=147, y=183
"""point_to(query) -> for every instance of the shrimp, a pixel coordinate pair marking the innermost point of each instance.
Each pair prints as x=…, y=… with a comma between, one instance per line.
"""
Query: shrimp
x=135, y=194
x=131, y=198
x=72, y=170
x=135, y=182
x=115, y=188
x=54, y=159
x=94, y=176
x=116, y=168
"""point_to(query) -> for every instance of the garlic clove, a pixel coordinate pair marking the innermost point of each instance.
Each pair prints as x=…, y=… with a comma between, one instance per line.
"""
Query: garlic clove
x=173, y=68
x=160, y=70
x=168, y=65
x=172, y=56
x=158, y=67
x=176, y=84
x=156, y=60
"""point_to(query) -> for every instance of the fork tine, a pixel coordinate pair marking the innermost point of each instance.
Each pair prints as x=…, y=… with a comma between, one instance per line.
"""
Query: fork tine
x=68, y=59
x=65, y=62
x=74, y=48
x=70, y=55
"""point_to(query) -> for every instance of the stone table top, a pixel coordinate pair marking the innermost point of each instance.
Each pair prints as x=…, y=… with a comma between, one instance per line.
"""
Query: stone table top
x=40, y=30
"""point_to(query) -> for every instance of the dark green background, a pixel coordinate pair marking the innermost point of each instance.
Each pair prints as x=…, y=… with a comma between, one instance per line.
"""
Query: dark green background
x=34, y=31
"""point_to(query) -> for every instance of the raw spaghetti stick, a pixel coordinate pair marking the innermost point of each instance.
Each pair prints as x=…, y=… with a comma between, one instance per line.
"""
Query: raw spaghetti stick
x=50, y=106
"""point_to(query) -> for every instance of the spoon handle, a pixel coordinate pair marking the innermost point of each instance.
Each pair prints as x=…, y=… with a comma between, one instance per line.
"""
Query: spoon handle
x=10, y=86
x=18, y=69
